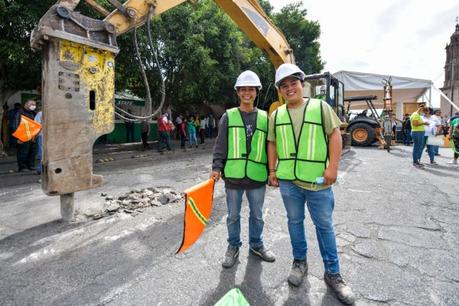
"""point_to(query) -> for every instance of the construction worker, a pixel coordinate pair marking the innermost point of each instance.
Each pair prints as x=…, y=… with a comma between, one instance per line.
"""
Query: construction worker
x=240, y=158
x=304, y=151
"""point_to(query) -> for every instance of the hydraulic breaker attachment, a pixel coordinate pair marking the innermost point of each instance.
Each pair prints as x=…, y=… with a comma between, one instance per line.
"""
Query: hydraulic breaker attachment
x=78, y=96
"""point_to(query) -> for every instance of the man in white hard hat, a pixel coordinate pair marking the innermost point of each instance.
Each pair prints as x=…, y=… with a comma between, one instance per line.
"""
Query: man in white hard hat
x=304, y=150
x=240, y=157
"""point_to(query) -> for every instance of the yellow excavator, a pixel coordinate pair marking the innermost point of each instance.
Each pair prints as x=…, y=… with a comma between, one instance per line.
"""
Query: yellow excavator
x=78, y=62
x=78, y=79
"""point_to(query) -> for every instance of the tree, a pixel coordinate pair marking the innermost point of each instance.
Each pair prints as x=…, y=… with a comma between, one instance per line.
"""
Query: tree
x=302, y=35
x=19, y=66
x=201, y=52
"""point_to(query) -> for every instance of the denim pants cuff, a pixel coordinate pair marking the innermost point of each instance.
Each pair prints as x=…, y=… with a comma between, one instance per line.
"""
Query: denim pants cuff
x=256, y=246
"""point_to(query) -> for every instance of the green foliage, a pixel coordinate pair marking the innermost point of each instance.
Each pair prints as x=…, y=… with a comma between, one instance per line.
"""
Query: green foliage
x=19, y=66
x=302, y=36
x=201, y=52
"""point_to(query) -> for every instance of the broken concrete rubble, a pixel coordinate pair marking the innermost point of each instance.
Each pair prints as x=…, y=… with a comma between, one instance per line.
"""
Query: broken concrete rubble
x=137, y=200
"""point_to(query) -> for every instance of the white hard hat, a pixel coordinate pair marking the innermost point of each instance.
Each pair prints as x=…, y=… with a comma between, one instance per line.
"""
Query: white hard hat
x=286, y=70
x=248, y=78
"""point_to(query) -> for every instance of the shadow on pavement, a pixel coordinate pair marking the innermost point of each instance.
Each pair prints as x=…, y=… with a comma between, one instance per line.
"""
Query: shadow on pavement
x=25, y=242
x=435, y=170
x=299, y=295
x=226, y=283
x=251, y=286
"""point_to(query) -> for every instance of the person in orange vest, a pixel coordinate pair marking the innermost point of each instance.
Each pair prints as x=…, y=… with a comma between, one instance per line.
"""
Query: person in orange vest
x=26, y=151
x=240, y=157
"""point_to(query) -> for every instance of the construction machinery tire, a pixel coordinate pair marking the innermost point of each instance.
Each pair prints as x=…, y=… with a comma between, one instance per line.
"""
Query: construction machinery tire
x=362, y=134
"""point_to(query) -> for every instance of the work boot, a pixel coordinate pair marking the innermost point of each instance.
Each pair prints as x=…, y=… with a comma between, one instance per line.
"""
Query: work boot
x=418, y=165
x=231, y=256
x=263, y=253
x=342, y=291
x=298, y=271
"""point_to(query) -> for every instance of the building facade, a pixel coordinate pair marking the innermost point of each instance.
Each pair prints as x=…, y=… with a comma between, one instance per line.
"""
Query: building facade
x=451, y=84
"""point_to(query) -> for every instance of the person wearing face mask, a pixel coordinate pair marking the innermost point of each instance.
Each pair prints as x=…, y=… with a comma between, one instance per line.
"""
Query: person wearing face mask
x=26, y=151
x=418, y=133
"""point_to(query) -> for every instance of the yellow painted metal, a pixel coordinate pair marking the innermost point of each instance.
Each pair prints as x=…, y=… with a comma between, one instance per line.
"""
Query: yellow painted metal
x=251, y=19
x=123, y=23
x=97, y=73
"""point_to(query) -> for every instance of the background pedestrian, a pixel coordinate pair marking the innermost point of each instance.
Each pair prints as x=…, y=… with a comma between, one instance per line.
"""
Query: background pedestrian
x=26, y=151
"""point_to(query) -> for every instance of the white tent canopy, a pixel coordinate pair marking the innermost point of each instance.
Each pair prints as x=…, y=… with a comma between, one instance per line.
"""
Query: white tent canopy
x=404, y=90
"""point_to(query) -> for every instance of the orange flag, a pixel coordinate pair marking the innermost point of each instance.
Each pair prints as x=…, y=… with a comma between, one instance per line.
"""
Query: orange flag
x=198, y=206
x=27, y=129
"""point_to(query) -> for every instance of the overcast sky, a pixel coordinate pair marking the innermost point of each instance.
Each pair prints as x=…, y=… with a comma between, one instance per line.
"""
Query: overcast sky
x=394, y=37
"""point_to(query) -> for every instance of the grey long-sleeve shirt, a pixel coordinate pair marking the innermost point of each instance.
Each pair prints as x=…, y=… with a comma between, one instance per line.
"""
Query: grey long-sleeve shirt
x=221, y=149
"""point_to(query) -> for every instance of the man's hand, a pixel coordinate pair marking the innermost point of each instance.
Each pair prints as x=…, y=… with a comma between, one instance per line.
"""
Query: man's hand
x=272, y=179
x=215, y=175
x=330, y=175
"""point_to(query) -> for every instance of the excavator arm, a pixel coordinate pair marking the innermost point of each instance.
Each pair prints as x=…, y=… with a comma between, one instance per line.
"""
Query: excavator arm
x=78, y=78
x=247, y=14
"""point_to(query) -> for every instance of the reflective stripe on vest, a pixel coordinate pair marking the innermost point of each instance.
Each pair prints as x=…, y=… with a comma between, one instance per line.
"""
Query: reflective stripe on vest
x=239, y=162
x=306, y=160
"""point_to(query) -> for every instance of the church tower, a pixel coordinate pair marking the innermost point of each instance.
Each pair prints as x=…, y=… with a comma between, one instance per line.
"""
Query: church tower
x=451, y=84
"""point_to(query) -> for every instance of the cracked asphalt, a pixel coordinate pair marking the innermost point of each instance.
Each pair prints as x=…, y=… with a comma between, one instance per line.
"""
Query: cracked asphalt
x=397, y=232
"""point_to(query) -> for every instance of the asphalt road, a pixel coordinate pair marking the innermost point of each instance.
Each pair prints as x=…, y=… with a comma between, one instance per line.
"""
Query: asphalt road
x=397, y=232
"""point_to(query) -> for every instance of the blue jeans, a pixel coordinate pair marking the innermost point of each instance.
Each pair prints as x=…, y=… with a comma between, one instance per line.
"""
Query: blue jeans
x=418, y=145
x=40, y=152
x=436, y=150
x=320, y=205
x=406, y=138
x=256, y=198
x=430, y=149
x=192, y=138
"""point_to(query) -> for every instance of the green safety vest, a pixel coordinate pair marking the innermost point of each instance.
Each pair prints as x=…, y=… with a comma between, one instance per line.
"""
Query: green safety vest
x=306, y=160
x=453, y=124
x=241, y=163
